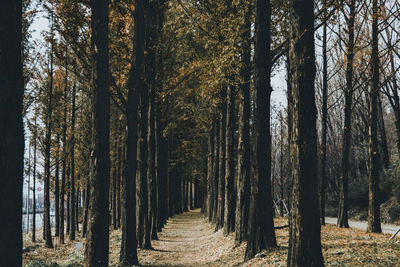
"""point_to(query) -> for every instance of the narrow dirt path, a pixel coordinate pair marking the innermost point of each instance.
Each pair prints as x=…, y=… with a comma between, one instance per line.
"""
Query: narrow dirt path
x=187, y=240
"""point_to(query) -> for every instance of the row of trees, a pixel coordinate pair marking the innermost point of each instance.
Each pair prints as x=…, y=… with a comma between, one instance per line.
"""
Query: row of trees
x=136, y=187
x=145, y=109
x=302, y=180
x=254, y=209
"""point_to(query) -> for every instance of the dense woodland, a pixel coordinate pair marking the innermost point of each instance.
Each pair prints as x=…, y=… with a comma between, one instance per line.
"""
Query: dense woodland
x=130, y=112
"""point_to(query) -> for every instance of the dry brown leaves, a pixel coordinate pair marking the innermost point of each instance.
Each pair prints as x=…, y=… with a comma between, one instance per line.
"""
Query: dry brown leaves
x=188, y=240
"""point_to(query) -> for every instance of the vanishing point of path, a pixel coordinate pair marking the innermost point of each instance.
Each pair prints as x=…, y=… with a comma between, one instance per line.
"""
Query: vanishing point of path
x=187, y=240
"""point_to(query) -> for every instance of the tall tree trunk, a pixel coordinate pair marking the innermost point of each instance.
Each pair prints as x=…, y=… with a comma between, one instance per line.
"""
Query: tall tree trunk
x=68, y=199
x=282, y=180
x=119, y=172
x=374, y=216
x=222, y=154
x=64, y=154
x=343, y=220
x=304, y=221
x=142, y=192
x=243, y=185
x=57, y=189
x=210, y=177
x=97, y=244
x=160, y=177
x=163, y=178
x=261, y=224
x=324, y=115
x=34, y=182
x=191, y=191
x=49, y=124
x=289, y=121
x=229, y=210
x=216, y=169
x=186, y=194
x=182, y=194
x=72, y=153
x=114, y=190
x=77, y=202
x=128, y=254
x=11, y=133
x=86, y=211
x=152, y=210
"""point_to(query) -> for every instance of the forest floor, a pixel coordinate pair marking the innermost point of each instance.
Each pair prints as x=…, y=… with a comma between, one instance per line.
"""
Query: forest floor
x=189, y=240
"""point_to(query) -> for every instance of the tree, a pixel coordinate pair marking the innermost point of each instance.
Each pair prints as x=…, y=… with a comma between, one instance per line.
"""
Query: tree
x=304, y=223
x=11, y=134
x=128, y=254
x=343, y=220
x=261, y=224
x=97, y=243
x=57, y=188
x=222, y=162
x=34, y=137
x=72, y=156
x=243, y=168
x=49, y=124
x=64, y=154
x=374, y=219
x=229, y=209
x=324, y=114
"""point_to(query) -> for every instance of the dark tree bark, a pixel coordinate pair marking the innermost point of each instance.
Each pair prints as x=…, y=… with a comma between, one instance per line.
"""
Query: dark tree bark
x=72, y=154
x=151, y=167
x=324, y=116
x=222, y=155
x=374, y=216
x=49, y=125
x=282, y=180
x=68, y=199
x=128, y=254
x=343, y=220
x=57, y=189
x=243, y=185
x=210, y=177
x=216, y=169
x=119, y=172
x=11, y=133
x=261, y=224
x=289, y=121
x=64, y=155
x=34, y=182
x=186, y=194
x=162, y=170
x=86, y=211
x=97, y=244
x=77, y=201
x=143, y=234
x=43, y=220
x=114, y=189
x=304, y=221
x=229, y=210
